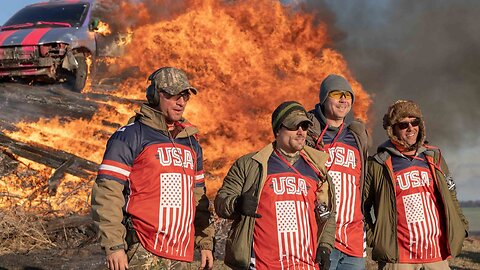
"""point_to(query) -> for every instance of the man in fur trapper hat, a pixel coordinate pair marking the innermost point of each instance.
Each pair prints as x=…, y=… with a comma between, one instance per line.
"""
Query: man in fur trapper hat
x=396, y=112
x=425, y=225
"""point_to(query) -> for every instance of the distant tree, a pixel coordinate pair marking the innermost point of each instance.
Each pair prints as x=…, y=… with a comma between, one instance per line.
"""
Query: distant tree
x=470, y=203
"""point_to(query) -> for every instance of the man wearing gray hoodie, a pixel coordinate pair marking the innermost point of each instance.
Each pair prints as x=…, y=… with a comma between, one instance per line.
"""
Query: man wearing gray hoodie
x=347, y=142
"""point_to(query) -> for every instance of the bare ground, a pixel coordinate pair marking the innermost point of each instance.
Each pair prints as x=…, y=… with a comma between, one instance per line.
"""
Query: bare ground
x=77, y=248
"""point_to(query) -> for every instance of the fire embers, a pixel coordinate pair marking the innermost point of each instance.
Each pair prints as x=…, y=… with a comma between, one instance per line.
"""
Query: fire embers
x=245, y=59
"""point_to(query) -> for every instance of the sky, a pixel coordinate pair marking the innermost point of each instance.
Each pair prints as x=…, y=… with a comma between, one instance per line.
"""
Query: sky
x=9, y=7
x=426, y=51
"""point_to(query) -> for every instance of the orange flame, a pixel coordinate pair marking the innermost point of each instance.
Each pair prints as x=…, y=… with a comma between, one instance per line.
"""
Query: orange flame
x=245, y=57
x=103, y=29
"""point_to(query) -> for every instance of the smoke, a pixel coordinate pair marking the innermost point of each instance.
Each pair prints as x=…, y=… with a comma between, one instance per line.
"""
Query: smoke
x=426, y=51
x=127, y=14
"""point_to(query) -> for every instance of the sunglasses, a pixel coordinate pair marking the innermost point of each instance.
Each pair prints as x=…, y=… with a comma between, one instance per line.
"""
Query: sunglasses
x=304, y=126
x=404, y=125
x=337, y=94
x=185, y=95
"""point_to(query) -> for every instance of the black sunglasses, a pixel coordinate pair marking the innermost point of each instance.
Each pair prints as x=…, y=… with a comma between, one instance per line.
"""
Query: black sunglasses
x=303, y=125
x=185, y=95
x=404, y=125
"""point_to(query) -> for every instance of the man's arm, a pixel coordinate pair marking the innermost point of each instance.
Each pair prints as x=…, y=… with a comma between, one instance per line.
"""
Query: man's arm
x=453, y=192
x=204, y=227
x=327, y=237
x=368, y=200
x=225, y=201
x=107, y=203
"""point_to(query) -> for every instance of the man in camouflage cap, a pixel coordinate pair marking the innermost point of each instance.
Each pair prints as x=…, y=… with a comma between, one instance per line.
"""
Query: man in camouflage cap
x=156, y=161
x=272, y=196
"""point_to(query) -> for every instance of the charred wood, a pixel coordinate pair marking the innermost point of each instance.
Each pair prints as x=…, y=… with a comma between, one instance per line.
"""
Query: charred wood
x=74, y=221
x=58, y=175
x=50, y=157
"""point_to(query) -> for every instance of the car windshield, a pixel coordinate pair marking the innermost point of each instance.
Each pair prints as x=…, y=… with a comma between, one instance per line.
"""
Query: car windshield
x=52, y=15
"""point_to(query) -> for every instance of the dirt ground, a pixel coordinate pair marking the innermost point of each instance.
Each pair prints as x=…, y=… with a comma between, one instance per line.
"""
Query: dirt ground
x=91, y=257
x=76, y=248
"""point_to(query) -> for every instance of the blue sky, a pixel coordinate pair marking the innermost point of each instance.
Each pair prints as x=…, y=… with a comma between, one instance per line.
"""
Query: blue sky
x=9, y=7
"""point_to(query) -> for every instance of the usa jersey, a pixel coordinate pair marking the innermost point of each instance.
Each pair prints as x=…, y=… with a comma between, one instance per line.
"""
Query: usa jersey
x=162, y=173
x=420, y=230
x=344, y=166
x=285, y=237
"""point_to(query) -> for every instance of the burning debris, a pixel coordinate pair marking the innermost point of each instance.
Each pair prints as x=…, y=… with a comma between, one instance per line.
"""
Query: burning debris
x=245, y=58
x=103, y=29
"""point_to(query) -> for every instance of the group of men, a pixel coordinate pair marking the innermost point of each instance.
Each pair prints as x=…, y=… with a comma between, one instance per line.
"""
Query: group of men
x=311, y=199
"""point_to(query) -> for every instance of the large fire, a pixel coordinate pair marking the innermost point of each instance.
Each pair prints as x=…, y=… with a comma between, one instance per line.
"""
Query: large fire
x=245, y=57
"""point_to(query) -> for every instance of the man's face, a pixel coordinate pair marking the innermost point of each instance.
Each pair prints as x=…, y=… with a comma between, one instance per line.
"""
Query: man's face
x=292, y=141
x=406, y=130
x=173, y=106
x=336, y=107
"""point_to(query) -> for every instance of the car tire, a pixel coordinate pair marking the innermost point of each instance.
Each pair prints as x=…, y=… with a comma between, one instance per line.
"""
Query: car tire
x=78, y=78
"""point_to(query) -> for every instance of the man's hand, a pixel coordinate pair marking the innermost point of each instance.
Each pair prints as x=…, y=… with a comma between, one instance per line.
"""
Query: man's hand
x=323, y=257
x=117, y=260
x=207, y=259
x=246, y=205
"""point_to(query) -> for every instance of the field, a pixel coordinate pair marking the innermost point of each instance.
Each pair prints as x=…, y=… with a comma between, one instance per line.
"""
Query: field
x=473, y=216
x=76, y=248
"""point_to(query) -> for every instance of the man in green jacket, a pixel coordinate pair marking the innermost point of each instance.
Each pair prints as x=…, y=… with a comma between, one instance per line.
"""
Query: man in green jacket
x=148, y=200
x=418, y=220
x=280, y=200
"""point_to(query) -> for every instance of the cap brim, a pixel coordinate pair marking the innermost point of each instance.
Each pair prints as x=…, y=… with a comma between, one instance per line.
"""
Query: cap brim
x=175, y=90
x=292, y=121
x=192, y=89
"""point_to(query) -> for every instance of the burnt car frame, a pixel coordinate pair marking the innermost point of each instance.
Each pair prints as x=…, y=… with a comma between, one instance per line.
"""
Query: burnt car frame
x=50, y=40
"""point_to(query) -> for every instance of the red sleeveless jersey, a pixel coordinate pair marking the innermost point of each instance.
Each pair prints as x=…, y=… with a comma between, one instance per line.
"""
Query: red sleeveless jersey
x=420, y=230
x=285, y=237
x=344, y=167
x=166, y=206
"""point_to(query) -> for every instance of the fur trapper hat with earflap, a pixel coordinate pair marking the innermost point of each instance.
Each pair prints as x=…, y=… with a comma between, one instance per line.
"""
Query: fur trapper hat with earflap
x=401, y=109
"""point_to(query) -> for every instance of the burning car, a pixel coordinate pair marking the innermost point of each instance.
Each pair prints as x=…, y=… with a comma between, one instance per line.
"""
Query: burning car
x=52, y=40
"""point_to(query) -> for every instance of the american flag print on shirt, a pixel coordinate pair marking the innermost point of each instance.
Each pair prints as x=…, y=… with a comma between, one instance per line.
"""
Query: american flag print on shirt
x=344, y=167
x=285, y=235
x=160, y=175
x=173, y=235
x=293, y=229
x=423, y=226
x=167, y=203
x=420, y=232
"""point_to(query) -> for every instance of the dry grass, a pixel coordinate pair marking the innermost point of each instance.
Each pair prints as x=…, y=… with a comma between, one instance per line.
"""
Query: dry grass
x=22, y=232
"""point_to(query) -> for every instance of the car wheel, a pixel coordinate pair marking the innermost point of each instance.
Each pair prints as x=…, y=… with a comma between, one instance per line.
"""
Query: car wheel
x=78, y=77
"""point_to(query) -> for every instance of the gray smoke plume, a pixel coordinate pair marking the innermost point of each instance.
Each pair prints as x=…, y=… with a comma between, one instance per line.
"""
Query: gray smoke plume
x=124, y=14
x=426, y=51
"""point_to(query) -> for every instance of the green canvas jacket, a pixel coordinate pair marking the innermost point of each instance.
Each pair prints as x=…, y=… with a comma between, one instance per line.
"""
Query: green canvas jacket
x=379, y=193
x=250, y=172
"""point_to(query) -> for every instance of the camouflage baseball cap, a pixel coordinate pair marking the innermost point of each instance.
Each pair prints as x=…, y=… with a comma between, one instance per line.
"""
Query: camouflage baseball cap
x=171, y=80
x=295, y=118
